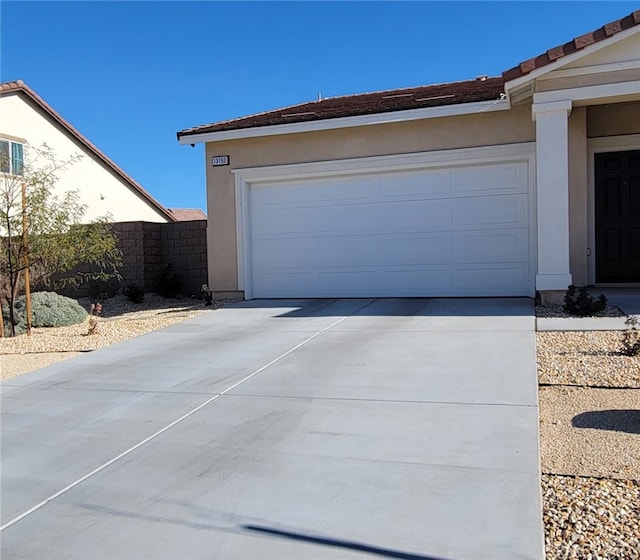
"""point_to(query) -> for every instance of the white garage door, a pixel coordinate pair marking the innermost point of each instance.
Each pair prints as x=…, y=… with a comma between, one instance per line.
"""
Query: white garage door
x=441, y=232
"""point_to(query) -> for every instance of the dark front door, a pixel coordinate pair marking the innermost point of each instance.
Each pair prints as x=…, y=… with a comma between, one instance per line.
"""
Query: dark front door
x=617, y=199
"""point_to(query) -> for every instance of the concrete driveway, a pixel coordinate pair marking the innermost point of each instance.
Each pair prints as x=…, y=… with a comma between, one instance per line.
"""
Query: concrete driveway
x=298, y=429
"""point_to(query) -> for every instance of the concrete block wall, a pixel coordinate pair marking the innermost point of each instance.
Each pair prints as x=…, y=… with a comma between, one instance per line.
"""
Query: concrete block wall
x=148, y=247
x=131, y=243
x=185, y=247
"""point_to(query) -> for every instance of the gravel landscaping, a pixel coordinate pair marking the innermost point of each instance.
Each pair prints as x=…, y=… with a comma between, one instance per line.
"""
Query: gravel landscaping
x=590, y=359
x=590, y=446
x=598, y=431
x=120, y=320
x=558, y=311
x=591, y=518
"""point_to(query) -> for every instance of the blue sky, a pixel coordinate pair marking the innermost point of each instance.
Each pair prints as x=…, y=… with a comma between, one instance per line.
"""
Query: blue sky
x=129, y=75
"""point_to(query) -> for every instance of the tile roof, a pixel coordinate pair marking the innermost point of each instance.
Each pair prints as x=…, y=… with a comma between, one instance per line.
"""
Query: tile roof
x=454, y=93
x=187, y=214
x=480, y=89
x=19, y=86
x=572, y=46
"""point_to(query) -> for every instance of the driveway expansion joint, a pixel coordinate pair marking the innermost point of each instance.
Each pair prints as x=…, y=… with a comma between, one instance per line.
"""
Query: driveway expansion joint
x=372, y=400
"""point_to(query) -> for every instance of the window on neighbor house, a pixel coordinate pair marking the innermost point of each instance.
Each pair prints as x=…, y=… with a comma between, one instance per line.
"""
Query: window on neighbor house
x=11, y=157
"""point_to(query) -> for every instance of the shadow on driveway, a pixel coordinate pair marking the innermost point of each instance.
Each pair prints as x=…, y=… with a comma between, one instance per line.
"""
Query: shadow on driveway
x=398, y=307
x=337, y=543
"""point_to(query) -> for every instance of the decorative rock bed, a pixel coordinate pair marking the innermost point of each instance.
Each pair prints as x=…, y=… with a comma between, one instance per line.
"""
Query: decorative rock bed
x=587, y=431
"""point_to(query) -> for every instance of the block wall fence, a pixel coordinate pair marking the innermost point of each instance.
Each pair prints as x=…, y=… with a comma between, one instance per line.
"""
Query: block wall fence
x=147, y=248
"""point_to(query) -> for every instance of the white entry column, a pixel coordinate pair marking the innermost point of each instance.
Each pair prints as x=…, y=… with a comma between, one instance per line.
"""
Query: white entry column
x=552, y=170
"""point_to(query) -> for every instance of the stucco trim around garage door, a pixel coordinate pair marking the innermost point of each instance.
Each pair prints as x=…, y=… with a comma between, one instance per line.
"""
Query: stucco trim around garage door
x=247, y=177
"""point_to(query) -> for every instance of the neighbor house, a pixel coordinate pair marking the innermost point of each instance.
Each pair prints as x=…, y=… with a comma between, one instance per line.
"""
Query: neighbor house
x=498, y=186
x=150, y=236
x=27, y=122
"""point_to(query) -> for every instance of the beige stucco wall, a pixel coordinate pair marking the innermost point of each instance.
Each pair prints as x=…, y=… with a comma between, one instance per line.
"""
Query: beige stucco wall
x=101, y=190
x=502, y=127
x=613, y=120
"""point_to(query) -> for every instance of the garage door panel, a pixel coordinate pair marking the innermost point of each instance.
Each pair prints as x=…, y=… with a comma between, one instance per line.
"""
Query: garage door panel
x=359, y=189
x=351, y=280
x=439, y=232
x=482, y=248
x=415, y=282
x=490, y=281
x=283, y=221
x=280, y=253
x=269, y=284
x=354, y=218
x=425, y=215
x=348, y=251
x=415, y=250
x=490, y=211
x=494, y=179
x=414, y=185
x=285, y=195
x=368, y=283
x=410, y=283
x=314, y=253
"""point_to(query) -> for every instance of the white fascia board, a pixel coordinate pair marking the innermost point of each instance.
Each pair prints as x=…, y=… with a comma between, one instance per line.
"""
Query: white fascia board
x=590, y=93
x=568, y=59
x=347, y=122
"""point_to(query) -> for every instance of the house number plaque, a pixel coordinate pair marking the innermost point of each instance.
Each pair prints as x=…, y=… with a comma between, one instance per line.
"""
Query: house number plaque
x=219, y=160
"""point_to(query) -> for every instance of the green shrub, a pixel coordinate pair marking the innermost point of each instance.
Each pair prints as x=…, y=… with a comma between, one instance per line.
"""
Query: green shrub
x=134, y=293
x=48, y=309
x=168, y=283
x=578, y=301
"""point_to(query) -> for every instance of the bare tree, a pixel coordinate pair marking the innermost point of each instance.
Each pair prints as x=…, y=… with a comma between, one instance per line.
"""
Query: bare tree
x=57, y=239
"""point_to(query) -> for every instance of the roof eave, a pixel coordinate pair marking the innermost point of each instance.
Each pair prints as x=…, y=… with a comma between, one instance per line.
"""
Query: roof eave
x=521, y=81
x=388, y=117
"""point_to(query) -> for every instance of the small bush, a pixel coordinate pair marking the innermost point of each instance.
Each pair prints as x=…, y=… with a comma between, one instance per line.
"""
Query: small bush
x=578, y=301
x=134, y=293
x=48, y=309
x=168, y=283
x=631, y=338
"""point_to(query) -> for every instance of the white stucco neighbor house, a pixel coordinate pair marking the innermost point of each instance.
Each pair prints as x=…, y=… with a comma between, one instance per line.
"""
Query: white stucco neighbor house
x=27, y=122
x=498, y=186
